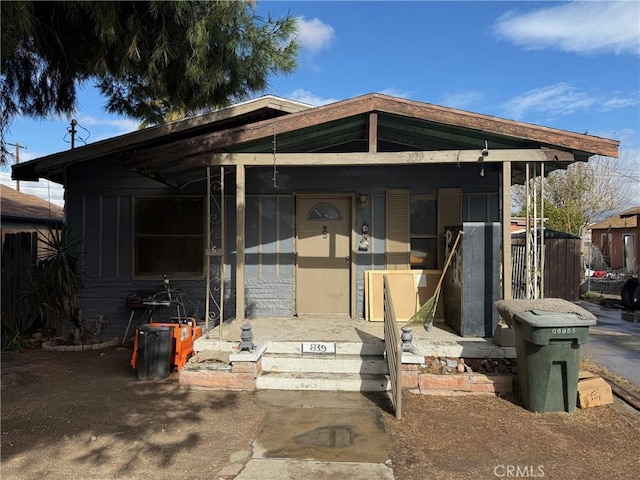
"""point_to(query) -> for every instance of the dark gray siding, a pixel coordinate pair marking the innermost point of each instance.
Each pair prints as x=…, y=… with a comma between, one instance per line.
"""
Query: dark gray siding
x=100, y=214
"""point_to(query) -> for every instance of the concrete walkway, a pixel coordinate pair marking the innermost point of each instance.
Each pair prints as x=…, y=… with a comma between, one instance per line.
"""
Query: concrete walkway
x=320, y=435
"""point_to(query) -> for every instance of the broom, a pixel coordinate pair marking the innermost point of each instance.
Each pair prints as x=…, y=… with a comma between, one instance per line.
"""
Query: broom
x=428, y=310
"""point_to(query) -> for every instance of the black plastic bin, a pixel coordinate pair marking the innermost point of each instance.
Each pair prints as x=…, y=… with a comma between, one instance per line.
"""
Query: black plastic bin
x=155, y=349
x=548, y=349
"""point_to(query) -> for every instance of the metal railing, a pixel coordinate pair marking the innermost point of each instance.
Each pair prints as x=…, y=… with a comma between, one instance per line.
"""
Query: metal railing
x=393, y=350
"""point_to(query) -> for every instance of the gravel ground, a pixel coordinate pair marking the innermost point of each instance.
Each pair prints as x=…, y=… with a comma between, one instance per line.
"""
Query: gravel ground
x=81, y=415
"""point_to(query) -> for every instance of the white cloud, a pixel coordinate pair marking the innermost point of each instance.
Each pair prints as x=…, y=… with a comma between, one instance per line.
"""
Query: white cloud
x=462, y=99
x=564, y=99
x=396, y=92
x=304, y=96
x=577, y=27
x=559, y=99
x=314, y=35
x=108, y=127
x=616, y=102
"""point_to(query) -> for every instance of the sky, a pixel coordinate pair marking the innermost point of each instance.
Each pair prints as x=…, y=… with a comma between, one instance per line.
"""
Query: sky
x=569, y=65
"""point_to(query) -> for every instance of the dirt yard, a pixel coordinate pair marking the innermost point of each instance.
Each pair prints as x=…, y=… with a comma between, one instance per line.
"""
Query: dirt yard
x=85, y=415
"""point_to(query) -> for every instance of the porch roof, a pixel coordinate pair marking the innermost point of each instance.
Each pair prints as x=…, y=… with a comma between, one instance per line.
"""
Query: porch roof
x=374, y=124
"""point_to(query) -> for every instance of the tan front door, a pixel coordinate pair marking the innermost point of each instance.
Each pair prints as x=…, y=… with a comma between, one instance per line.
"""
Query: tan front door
x=323, y=228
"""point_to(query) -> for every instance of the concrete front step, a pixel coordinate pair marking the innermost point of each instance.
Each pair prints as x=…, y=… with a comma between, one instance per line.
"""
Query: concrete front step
x=293, y=347
x=338, y=364
x=344, y=382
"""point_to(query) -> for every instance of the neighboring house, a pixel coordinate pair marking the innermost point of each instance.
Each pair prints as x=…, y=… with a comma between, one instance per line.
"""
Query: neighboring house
x=24, y=222
x=618, y=239
x=288, y=205
x=20, y=212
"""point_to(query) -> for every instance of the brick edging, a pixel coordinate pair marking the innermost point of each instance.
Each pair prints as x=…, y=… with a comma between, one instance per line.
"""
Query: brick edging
x=456, y=383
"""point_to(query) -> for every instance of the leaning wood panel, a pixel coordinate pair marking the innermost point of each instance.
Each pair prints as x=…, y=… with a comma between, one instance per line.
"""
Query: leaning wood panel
x=393, y=349
x=410, y=288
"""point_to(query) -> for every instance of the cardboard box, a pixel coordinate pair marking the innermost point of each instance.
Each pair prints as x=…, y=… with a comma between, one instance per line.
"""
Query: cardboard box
x=504, y=335
x=593, y=392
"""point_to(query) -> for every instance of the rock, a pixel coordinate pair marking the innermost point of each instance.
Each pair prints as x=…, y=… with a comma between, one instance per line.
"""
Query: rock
x=460, y=367
x=239, y=456
x=451, y=363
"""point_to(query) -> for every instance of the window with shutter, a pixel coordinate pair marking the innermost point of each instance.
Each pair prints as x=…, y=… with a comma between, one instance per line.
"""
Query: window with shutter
x=397, y=222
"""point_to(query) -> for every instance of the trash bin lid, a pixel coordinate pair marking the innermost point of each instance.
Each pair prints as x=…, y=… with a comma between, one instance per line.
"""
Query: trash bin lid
x=154, y=328
x=545, y=319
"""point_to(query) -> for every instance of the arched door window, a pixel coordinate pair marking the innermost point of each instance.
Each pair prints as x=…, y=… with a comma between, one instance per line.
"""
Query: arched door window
x=324, y=211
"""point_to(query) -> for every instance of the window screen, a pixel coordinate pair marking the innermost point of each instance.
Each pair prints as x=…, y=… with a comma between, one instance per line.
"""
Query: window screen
x=168, y=236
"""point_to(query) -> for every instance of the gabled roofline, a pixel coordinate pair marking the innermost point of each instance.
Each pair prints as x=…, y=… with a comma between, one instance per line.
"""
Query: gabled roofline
x=299, y=116
x=27, y=170
x=375, y=102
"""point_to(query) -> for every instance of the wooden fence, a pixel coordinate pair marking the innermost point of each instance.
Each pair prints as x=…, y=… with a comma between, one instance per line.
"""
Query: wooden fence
x=19, y=257
x=561, y=268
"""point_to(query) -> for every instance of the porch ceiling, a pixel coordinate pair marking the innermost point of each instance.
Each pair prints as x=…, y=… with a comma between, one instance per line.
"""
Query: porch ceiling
x=179, y=163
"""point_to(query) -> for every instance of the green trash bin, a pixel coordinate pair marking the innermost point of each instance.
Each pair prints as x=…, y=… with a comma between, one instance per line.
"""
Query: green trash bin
x=548, y=350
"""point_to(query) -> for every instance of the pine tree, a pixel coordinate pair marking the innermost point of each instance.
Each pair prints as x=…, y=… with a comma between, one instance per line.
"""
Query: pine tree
x=147, y=58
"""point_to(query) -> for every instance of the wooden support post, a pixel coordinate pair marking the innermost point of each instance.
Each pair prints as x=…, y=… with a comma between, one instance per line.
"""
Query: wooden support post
x=506, y=231
x=240, y=236
x=373, y=132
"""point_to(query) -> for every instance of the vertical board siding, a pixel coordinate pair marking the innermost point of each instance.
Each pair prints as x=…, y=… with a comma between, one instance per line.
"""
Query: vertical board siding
x=285, y=237
x=92, y=240
x=125, y=239
x=108, y=234
x=252, y=237
x=270, y=291
x=269, y=238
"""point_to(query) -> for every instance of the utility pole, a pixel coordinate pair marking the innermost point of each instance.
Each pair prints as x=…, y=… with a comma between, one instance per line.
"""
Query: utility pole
x=18, y=147
x=73, y=132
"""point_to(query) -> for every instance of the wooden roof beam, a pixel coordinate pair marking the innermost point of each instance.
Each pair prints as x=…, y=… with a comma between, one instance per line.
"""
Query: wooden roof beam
x=496, y=125
x=380, y=158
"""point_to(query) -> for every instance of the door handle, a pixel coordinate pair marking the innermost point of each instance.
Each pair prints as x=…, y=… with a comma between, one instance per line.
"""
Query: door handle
x=348, y=259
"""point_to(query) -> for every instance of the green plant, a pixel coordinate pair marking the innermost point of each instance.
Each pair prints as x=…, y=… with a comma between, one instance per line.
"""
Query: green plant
x=58, y=279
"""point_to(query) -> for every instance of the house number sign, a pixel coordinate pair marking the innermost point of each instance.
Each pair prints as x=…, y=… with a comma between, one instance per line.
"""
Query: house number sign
x=318, y=347
x=563, y=330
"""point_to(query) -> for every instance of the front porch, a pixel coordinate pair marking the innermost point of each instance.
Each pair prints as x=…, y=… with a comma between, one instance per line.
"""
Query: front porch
x=356, y=361
x=278, y=332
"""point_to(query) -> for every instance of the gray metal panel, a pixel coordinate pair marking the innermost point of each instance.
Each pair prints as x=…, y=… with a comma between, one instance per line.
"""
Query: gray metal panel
x=470, y=307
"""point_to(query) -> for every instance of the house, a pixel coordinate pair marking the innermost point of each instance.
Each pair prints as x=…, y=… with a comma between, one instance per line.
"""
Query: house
x=617, y=238
x=273, y=208
x=20, y=212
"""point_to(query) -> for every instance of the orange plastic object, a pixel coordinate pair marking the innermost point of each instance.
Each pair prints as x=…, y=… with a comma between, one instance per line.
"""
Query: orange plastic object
x=185, y=332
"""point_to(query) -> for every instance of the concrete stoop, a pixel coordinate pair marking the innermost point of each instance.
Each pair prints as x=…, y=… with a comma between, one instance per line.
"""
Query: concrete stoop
x=282, y=366
x=355, y=366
